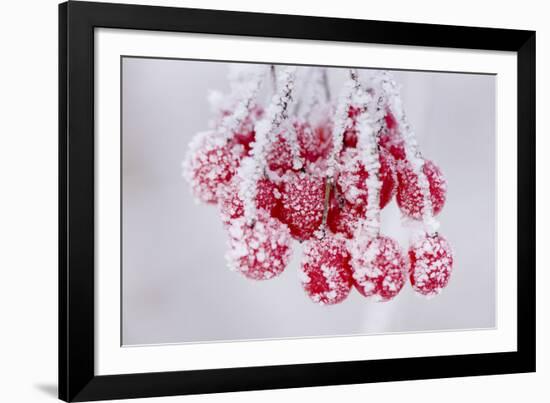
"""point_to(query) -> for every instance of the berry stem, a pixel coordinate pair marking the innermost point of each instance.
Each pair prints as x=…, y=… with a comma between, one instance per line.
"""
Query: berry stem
x=326, y=87
x=328, y=188
x=273, y=78
x=315, y=92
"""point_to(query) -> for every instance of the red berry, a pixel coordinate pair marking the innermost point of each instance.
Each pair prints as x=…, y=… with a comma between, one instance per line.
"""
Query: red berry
x=350, y=138
x=351, y=181
x=279, y=156
x=245, y=134
x=325, y=271
x=302, y=204
x=260, y=251
x=431, y=263
x=232, y=207
x=209, y=166
x=409, y=195
x=350, y=134
x=391, y=140
x=391, y=122
x=315, y=142
x=343, y=216
x=379, y=269
x=392, y=143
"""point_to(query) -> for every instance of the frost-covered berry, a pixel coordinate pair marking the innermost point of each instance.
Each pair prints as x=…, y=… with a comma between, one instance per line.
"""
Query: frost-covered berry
x=390, y=138
x=315, y=141
x=279, y=156
x=260, y=251
x=390, y=121
x=304, y=144
x=409, y=194
x=352, y=178
x=232, y=206
x=325, y=272
x=379, y=268
x=245, y=134
x=343, y=217
x=350, y=134
x=209, y=165
x=302, y=204
x=431, y=263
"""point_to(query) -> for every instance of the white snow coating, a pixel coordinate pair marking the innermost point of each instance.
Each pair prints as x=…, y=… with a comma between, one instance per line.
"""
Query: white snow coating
x=324, y=270
x=389, y=89
x=205, y=154
x=253, y=167
x=380, y=270
x=208, y=164
x=259, y=252
x=192, y=148
x=367, y=145
x=316, y=93
x=432, y=266
x=302, y=203
x=377, y=262
x=244, y=90
x=320, y=149
x=341, y=122
x=291, y=138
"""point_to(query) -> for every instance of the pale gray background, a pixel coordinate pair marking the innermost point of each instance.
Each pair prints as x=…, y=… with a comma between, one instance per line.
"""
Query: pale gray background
x=176, y=287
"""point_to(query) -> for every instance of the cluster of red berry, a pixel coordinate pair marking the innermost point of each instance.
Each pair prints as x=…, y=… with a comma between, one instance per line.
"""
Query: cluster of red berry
x=322, y=178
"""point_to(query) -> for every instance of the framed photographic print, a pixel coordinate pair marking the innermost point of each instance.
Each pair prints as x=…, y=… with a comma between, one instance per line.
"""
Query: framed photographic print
x=257, y=201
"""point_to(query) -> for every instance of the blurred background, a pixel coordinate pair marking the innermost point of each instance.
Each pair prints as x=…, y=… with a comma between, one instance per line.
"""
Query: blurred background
x=176, y=286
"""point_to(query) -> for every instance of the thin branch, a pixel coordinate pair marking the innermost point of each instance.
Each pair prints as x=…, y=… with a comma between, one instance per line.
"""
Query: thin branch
x=326, y=85
x=273, y=78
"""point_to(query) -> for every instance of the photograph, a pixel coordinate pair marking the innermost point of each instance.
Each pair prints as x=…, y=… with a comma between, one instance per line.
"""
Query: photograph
x=243, y=202
x=271, y=201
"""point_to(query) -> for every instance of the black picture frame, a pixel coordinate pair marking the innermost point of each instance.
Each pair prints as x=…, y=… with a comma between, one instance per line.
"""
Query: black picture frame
x=77, y=379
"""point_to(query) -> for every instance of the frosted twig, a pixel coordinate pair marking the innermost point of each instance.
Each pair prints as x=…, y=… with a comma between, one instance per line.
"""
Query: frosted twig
x=367, y=146
x=316, y=91
x=273, y=77
x=367, y=128
x=326, y=87
x=252, y=168
x=288, y=133
x=370, y=159
x=248, y=93
x=342, y=122
x=388, y=87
